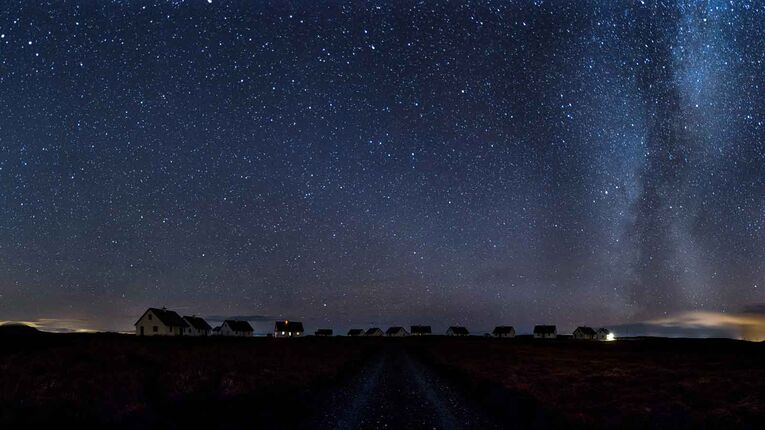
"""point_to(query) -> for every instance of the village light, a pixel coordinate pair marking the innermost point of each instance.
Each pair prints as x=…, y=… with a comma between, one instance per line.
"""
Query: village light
x=610, y=337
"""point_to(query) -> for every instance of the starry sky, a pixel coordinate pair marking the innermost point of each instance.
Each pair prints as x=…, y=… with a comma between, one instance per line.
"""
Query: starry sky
x=349, y=164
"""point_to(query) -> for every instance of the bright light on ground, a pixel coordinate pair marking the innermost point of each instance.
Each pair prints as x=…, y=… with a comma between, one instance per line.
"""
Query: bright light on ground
x=610, y=337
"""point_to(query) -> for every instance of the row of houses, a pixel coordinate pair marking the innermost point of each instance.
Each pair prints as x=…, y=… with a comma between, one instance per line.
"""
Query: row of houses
x=415, y=330
x=164, y=322
x=505, y=331
x=581, y=333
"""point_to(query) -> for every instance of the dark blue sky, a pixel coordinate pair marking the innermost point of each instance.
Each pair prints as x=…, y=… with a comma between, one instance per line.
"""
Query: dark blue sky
x=481, y=163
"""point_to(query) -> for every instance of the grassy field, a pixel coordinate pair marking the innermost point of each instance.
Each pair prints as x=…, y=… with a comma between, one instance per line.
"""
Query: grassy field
x=649, y=383
x=120, y=381
x=129, y=382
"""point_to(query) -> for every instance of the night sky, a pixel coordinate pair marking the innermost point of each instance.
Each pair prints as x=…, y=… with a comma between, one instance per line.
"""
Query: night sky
x=482, y=163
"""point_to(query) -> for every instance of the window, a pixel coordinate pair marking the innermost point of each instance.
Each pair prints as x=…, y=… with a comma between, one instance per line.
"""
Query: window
x=149, y=317
x=155, y=329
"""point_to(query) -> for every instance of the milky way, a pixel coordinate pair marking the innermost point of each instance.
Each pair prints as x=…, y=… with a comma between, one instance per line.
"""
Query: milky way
x=488, y=163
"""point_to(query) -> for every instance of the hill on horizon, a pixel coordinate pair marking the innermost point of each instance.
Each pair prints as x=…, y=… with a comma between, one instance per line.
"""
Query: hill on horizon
x=17, y=329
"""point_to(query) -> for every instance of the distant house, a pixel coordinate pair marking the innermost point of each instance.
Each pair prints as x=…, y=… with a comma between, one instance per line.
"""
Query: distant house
x=288, y=329
x=397, y=332
x=604, y=334
x=356, y=332
x=584, y=333
x=323, y=332
x=160, y=322
x=503, y=331
x=545, y=332
x=235, y=328
x=457, y=331
x=374, y=331
x=197, y=326
x=420, y=330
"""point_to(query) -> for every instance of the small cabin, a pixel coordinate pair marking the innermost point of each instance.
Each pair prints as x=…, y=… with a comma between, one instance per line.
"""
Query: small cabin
x=160, y=322
x=323, y=332
x=235, y=328
x=503, y=331
x=288, y=329
x=545, y=332
x=197, y=326
x=420, y=330
x=396, y=332
x=374, y=331
x=457, y=331
x=584, y=333
x=356, y=332
x=604, y=334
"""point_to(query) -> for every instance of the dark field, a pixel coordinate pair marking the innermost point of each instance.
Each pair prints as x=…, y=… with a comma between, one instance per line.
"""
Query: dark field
x=647, y=383
x=128, y=382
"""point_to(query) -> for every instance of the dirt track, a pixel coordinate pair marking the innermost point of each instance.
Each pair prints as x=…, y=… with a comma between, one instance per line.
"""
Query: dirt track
x=396, y=391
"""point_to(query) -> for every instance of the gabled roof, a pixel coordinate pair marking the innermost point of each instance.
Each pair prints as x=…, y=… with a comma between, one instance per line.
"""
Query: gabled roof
x=420, y=329
x=197, y=323
x=503, y=329
x=291, y=326
x=324, y=332
x=166, y=317
x=544, y=329
x=394, y=330
x=355, y=332
x=604, y=330
x=373, y=330
x=459, y=330
x=237, y=325
x=585, y=330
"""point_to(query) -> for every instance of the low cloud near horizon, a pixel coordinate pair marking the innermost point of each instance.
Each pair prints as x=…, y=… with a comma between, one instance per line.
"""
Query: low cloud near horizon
x=55, y=325
x=746, y=325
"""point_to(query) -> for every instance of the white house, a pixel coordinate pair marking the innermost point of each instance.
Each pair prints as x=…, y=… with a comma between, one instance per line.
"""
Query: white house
x=288, y=329
x=503, y=331
x=457, y=331
x=584, y=333
x=234, y=328
x=545, y=332
x=396, y=332
x=197, y=326
x=160, y=322
x=374, y=331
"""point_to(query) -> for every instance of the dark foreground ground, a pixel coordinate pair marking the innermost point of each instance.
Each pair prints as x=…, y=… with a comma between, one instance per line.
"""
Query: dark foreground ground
x=115, y=381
